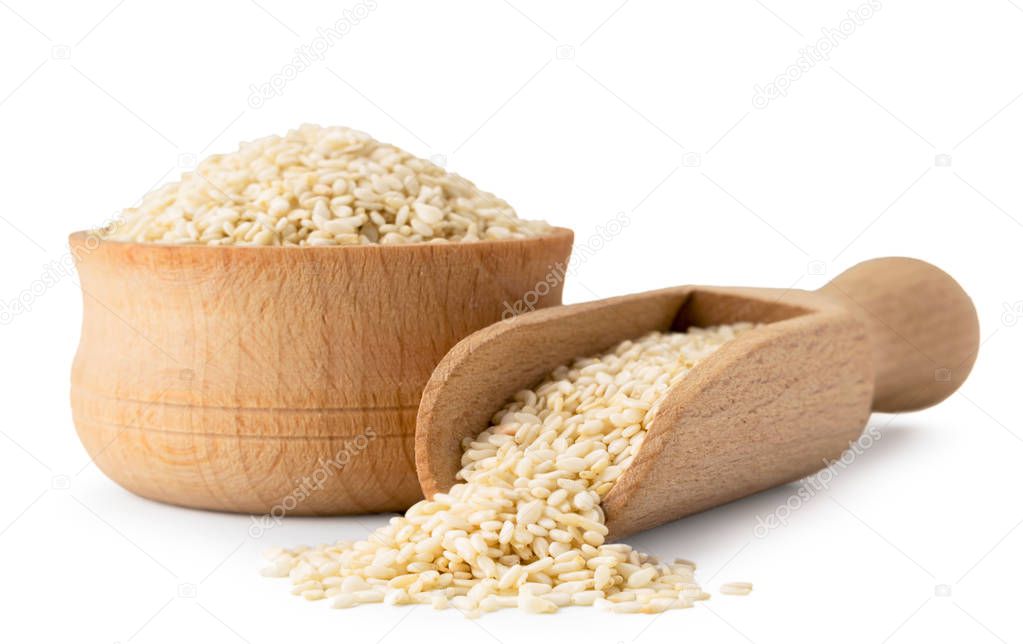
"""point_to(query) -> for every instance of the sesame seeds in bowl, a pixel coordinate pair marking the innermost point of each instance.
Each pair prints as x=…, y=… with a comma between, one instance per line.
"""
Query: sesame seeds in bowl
x=320, y=186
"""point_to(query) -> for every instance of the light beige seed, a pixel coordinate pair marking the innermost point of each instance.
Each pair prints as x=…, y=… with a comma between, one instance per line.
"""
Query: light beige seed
x=429, y=214
x=736, y=588
x=532, y=604
x=584, y=500
x=641, y=577
x=586, y=597
x=530, y=512
x=369, y=596
x=627, y=607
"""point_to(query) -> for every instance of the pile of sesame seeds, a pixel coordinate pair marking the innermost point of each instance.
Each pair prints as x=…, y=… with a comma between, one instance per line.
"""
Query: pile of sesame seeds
x=319, y=186
x=525, y=529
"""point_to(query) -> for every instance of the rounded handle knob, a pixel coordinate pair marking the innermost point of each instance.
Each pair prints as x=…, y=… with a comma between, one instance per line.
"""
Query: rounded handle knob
x=923, y=328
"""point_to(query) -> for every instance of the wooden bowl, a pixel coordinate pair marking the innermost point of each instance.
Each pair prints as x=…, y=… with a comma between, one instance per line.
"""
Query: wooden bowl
x=281, y=380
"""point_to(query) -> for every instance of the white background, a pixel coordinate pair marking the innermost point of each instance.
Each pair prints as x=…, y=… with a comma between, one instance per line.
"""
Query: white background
x=648, y=111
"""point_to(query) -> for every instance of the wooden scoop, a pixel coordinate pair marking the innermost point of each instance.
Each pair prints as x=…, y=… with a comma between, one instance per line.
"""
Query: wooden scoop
x=772, y=406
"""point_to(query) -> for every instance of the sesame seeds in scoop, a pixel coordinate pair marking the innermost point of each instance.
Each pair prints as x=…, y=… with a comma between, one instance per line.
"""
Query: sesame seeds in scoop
x=525, y=528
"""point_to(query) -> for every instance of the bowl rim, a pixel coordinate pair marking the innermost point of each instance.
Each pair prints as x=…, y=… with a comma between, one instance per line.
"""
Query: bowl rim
x=557, y=233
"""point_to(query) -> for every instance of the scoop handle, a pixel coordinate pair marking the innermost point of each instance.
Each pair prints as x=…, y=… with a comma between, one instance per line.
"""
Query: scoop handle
x=923, y=329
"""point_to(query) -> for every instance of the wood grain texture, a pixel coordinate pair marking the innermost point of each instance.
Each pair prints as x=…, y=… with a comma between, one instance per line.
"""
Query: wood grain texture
x=772, y=406
x=248, y=379
x=924, y=327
